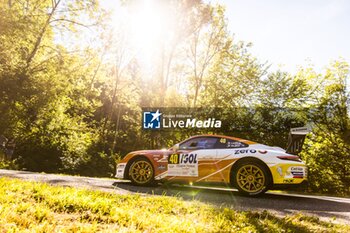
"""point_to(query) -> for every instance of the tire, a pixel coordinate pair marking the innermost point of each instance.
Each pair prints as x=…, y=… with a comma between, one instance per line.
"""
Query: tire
x=141, y=172
x=250, y=177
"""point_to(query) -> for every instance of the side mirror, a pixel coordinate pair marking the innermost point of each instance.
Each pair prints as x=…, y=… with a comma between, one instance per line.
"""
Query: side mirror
x=176, y=147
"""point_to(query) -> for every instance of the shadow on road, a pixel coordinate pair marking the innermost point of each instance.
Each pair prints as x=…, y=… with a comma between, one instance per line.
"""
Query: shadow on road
x=282, y=203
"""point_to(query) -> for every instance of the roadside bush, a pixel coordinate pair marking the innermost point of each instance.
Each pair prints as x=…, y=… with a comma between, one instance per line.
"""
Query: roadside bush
x=327, y=155
x=11, y=164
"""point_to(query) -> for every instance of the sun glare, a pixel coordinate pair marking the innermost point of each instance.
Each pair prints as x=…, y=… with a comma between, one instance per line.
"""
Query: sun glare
x=149, y=26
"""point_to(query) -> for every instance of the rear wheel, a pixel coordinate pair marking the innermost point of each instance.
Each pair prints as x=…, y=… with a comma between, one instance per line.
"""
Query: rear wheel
x=141, y=172
x=250, y=178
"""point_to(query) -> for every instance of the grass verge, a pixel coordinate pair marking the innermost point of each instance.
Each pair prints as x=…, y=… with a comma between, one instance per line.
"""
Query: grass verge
x=38, y=207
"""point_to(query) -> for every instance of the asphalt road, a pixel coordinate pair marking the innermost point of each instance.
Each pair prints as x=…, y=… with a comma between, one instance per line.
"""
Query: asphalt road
x=325, y=207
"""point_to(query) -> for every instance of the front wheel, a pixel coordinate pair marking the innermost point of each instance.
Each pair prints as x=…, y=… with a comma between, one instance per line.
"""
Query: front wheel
x=250, y=178
x=141, y=172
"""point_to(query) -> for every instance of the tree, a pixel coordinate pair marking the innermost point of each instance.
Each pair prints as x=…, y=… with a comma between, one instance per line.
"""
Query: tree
x=205, y=44
x=327, y=150
x=45, y=97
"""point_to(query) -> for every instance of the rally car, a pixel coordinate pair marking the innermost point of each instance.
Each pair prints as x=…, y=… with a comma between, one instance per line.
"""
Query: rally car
x=251, y=167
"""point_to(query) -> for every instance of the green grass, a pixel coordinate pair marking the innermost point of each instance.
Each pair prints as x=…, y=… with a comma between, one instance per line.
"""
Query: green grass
x=38, y=207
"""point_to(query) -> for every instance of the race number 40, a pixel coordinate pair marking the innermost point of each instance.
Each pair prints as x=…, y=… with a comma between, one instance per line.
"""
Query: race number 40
x=183, y=165
x=182, y=159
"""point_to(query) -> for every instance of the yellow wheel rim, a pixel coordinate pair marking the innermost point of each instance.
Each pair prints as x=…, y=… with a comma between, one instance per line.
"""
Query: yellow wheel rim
x=141, y=172
x=250, y=178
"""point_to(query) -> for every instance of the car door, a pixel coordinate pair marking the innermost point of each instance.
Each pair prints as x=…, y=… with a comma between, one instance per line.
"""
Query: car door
x=229, y=148
x=225, y=157
x=188, y=163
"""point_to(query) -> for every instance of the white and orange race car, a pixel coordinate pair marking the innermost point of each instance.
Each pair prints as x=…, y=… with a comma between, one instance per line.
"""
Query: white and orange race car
x=250, y=167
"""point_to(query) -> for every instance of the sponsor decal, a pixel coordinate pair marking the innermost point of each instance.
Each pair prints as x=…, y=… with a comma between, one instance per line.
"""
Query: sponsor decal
x=237, y=152
x=297, y=169
x=222, y=140
x=182, y=158
x=288, y=181
x=300, y=130
x=234, y=144
x=161, y=167
x=262, y=151
x=183, y=165
x=297, y=172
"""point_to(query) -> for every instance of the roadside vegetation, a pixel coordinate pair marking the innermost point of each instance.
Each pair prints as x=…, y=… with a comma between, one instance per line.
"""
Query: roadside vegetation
x=74, y=80
x=37, y=207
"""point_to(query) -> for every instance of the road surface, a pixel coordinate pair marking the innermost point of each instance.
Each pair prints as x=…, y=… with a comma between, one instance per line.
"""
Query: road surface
x=325, y=207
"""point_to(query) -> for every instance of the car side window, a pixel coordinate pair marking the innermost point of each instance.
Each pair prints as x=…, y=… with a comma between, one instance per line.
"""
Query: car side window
x=199, y=143
x=224, y=143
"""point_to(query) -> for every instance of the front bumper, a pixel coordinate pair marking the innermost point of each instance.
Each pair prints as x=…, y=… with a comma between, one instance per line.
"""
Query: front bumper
x=120, y=170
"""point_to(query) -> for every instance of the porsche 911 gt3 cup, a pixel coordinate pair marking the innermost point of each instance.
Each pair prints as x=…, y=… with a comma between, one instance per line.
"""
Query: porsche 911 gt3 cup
x=251, y=167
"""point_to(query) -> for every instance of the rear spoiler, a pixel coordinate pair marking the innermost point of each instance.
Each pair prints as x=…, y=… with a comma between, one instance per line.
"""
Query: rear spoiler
x=296, y=139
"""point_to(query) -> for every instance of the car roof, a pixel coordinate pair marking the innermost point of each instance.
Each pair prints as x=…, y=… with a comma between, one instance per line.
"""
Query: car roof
x=224, y=136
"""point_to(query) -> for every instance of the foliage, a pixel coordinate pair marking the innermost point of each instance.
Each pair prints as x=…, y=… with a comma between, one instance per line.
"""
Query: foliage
x=327, y=150
x=44, y=208
x=327, y=156
x=11, y=164
x=47, y=100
